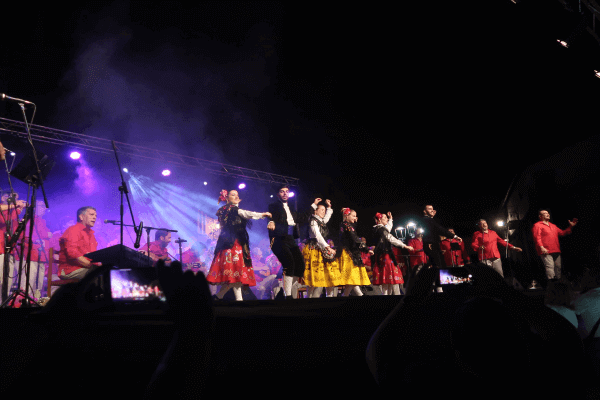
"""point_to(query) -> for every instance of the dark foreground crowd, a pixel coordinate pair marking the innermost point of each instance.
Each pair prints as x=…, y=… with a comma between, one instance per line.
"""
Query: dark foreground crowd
x=480, y=340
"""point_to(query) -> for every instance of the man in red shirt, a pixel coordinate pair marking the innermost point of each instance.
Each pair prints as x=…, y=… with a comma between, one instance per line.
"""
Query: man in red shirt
x=485, y=243
x=77, y=240
x=158, y=248
x=417, y=256
x=454, y=257
x=4, y=217
x=545, y=237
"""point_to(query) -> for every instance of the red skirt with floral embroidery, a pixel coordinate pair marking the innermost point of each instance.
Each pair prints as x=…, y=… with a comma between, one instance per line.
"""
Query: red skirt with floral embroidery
x=228, y=267
x=386, y=272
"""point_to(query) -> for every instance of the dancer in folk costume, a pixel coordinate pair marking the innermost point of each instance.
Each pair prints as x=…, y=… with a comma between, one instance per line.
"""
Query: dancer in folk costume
x=353, y=271
x=232, y=264
x=385, y=268
x=322, y=268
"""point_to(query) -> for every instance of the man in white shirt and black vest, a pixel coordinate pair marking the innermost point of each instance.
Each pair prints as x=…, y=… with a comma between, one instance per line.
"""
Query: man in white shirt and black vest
x=283, y=232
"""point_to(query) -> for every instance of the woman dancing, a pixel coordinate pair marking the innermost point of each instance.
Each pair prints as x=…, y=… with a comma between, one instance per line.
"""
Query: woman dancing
x=321, y=265
x=232, y=264
x=353, y=272
x=385, y=269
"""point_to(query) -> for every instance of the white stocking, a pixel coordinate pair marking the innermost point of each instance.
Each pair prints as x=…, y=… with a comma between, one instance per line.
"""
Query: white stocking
x=357, y=291
x=329, y=291
x=317, y=292
x=294, y=289
x=385, y=289
x=287, y=285
x=310, y=291
x=237, y=291
x=396, y=289
x=224, y=289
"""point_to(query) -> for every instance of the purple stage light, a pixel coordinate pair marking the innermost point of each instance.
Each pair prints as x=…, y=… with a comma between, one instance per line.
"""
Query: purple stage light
x=75, y=155
x=291, y=194
x=166, y=172
x=205, y=183
x=125, y=170
x=242, y=186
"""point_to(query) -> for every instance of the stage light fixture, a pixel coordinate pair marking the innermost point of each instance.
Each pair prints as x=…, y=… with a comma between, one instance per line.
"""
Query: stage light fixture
x=75, y=155
x=411, y=224
x=292, y=194
x=242, y=186
x=125, y=170
x=166, y=172
x=205, y=183
x=596, y=72
x=563, y=43
x=500, y=223
x=271, y=196
x=12, y=153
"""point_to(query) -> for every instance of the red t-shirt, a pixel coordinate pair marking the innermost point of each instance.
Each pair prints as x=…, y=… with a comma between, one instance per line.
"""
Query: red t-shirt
x=457, y=255
x=157, y=249
x=418, y=246
x=490, y=240
x=547, y=236
x=75, y=242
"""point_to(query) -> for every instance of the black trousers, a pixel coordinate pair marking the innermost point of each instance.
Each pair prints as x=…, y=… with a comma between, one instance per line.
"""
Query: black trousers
x=289, y=255
x=435, y=254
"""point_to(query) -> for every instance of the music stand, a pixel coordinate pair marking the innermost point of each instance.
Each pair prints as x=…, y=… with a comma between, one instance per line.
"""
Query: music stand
x=27, y=171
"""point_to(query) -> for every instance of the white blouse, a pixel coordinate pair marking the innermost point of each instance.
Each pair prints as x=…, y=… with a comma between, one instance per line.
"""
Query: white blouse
x=249, y=214
x=315, y=232
x=390, y=237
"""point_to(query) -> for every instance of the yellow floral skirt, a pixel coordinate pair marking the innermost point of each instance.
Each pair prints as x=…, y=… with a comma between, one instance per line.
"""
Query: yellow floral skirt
x=350, y=274
x=318, y=273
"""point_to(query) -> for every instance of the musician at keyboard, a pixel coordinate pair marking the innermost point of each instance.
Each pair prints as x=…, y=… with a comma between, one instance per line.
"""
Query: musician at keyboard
x=158, y=248
x=77, y=240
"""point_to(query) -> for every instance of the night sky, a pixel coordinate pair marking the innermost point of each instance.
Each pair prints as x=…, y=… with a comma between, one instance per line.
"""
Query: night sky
x=378, y=109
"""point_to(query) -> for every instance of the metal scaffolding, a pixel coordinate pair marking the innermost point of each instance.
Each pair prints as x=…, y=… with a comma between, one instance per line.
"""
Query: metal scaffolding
x=100, y=145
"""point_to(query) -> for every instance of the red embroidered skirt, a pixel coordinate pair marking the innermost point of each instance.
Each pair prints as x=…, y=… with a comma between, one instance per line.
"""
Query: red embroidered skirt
x=228, y=267
x=386, y=272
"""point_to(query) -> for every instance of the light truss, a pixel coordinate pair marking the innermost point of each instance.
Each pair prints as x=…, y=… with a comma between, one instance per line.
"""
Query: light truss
x=100, y=145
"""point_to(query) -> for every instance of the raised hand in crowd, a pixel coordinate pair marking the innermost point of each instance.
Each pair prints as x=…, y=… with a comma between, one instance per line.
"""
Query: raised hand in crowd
x=184, y=368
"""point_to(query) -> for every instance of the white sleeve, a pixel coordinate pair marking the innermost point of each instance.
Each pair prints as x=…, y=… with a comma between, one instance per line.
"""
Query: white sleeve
x=393, y=240
x=390, y=224
x=316, y=233
x=328, y=215
x=249, y=214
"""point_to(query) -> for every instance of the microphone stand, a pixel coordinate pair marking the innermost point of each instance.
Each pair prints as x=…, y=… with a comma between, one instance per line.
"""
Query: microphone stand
x=179, y=241
x=124, y=191
x=35, y=180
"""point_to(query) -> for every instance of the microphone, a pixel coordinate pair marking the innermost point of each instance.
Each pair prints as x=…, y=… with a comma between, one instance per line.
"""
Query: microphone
x=138, y=235
x=5, y=97
x=180, y=240
x=110, y=221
